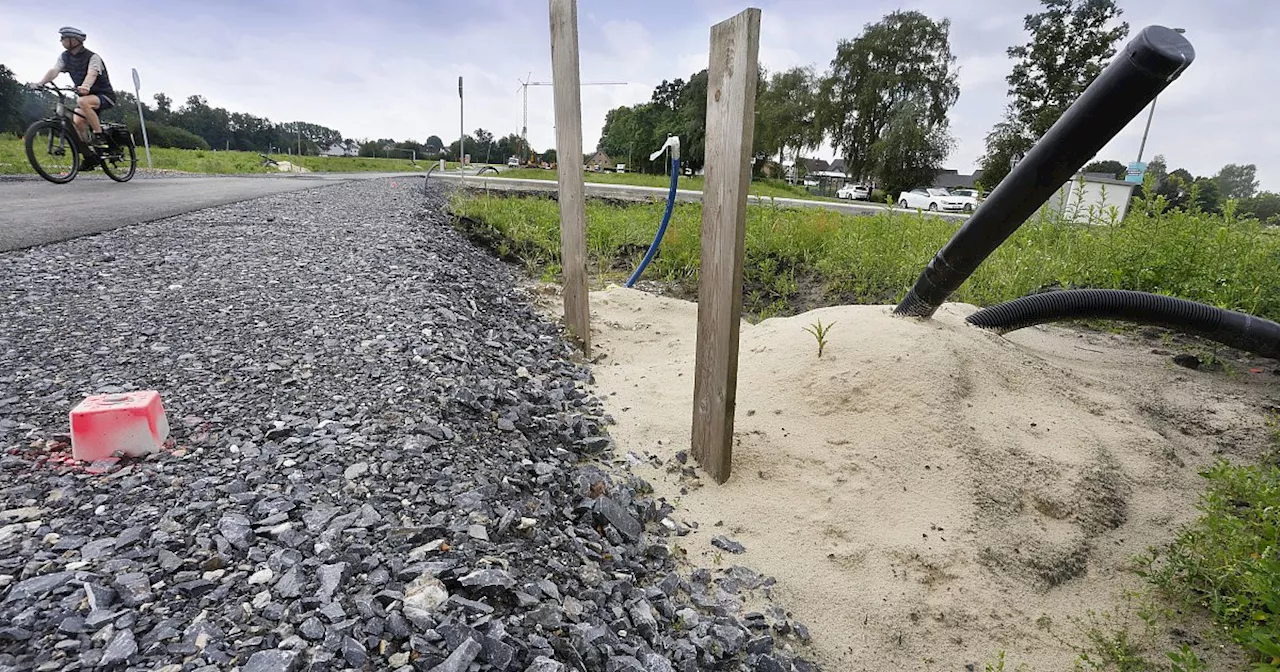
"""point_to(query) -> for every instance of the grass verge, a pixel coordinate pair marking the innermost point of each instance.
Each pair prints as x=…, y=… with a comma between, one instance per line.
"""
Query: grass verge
x=13, y=161
x=762, y=188
x=797, y=259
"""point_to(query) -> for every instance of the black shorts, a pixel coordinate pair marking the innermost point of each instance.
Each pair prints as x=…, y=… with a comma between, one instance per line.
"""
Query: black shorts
x=104, y=102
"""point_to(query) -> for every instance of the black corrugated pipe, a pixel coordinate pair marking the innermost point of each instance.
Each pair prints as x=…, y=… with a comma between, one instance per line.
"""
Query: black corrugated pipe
x=1238, y=330
x=1143, y=69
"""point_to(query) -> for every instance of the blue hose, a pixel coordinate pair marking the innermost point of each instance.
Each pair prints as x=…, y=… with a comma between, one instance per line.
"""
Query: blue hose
x=666, y=218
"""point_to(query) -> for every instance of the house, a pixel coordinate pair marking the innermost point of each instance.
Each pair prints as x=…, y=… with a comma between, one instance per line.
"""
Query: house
x=815, y=165
x=600, y=161
x=341, y=149
x=1091, y=198
x=952, y=179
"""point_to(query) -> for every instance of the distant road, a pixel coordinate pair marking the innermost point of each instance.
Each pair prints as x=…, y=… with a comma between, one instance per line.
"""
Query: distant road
x=626, y=191
x=36, y=212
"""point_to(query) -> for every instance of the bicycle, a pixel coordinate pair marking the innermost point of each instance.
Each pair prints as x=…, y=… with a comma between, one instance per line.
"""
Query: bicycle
x=54, y=148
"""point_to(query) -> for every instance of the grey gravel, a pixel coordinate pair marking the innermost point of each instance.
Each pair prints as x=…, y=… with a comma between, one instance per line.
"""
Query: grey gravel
x=272, y=661
x=726, y=544
x=382, y=457
x=461, y=657
x=121, y=648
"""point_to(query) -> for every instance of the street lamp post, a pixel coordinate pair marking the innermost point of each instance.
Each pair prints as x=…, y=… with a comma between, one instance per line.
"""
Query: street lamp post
x=462, y=134
x=1142, y=147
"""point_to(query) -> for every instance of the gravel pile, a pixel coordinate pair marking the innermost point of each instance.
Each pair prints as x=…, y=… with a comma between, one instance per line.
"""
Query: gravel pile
x=381, y=459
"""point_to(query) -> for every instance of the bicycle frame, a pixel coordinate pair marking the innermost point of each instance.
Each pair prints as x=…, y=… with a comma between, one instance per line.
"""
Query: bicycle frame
x=65, y=116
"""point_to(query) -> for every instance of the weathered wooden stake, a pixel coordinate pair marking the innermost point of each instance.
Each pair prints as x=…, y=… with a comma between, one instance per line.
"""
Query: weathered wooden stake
x=568, y=97
x=731, y=105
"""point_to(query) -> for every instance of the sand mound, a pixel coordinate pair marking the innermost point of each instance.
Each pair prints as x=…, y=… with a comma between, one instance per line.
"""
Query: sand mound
x=926, y=492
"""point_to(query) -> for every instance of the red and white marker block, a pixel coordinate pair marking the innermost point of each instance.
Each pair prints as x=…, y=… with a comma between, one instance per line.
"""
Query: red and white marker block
x=132, y=423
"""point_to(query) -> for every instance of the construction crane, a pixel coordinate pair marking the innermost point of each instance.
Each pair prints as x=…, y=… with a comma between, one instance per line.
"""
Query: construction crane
x=524, y=88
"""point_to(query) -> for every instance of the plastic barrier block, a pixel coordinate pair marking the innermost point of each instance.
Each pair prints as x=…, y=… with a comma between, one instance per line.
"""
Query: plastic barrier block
x=132, y=423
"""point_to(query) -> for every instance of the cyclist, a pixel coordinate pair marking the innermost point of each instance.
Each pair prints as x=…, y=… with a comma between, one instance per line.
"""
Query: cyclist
x=89, y=74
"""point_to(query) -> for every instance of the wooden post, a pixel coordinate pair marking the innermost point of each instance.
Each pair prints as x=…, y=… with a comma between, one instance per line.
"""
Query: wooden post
x=731, y=105
x=573, y=239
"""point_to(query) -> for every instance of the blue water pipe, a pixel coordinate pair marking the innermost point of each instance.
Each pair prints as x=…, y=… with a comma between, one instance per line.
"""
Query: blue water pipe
x=673, y=143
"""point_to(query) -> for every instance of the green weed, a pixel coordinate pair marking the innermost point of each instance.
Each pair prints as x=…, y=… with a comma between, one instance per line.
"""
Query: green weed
x=873, y=259
x=819, y=332
x=1227, y=561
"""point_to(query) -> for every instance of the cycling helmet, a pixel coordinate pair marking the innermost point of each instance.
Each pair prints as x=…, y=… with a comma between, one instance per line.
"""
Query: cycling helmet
x=68, y=31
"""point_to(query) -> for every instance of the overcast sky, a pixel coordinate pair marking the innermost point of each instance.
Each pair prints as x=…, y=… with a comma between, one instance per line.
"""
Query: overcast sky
x=389, y=68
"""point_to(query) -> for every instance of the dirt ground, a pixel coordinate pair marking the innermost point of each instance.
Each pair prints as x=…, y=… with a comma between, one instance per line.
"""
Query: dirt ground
x=927, y=494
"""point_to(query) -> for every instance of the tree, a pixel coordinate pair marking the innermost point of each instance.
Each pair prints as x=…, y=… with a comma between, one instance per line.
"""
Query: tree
x=631, y=133
x=910, y=152
x=1208, y=197
x=11, y=102
x=1111, y=167
x=1237, y=181
x=550, y=156
x=1005, y=141
x=453, y=151
x=434, y=144
x=906, y=56
x=667, y=94
x=1071, y=42
x=1069, y=47
x=691, y=122
x=164, y=107
x=1158, y=169
x=787, y=112
x=483, y=149
x=1176, y=188
x=1265, y=207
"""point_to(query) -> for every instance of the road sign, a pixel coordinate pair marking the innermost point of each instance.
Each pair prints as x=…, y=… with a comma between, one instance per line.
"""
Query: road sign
x=142, y=120
x=1135, y=172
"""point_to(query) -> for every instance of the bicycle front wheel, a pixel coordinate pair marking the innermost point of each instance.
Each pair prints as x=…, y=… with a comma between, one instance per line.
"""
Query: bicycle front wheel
x=52, y=151
x=120, y=161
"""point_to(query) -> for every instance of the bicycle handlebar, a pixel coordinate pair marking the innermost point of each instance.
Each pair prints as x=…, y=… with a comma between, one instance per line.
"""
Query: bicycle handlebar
x=58, y=89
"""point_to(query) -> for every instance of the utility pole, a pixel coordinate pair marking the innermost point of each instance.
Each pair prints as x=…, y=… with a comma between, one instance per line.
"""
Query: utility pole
x=524, y=87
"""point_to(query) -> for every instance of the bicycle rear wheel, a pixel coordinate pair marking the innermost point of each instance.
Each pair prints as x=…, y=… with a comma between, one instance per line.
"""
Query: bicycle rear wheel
x=119, y=161
x=52, y=151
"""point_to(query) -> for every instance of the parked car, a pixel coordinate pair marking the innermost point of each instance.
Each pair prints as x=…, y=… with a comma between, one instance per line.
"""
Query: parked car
x=621, y=168
x=931, y=199
x=970, y=196
x=854, y=192
x=514, y=162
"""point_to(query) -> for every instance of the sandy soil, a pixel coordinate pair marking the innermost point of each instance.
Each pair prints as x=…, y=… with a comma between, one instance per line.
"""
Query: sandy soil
x=928, y=494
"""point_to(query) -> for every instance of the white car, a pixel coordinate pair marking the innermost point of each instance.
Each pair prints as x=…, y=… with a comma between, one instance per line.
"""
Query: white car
x=970, y=197
x=931, y=199
x=855, y=192
x=513, y=162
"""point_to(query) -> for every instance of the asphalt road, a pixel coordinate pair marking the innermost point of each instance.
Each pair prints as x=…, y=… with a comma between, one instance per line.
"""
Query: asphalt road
x=626, y=191
x=36, y=212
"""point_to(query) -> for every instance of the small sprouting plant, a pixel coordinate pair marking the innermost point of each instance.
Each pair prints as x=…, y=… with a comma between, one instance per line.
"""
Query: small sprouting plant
x=1186, y=660
x=820, y=332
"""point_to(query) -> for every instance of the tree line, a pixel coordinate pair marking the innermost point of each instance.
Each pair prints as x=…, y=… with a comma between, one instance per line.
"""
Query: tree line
x=196, y=124
x=884, y=100
x=1184, y=191
x=883, y=104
